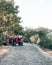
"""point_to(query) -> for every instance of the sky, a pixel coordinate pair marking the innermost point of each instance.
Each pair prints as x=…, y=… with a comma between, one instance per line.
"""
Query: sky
x=35, y=13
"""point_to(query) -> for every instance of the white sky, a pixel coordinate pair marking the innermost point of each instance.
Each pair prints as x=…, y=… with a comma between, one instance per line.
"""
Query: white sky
x=35, y=13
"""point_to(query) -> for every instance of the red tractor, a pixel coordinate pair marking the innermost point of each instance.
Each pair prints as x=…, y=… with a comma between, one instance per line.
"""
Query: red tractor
x=16, y=40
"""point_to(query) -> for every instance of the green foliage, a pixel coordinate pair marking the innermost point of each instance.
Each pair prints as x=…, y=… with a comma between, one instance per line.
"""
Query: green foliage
x=42, y=32
x=46, y=43
x=28, y=33
x=0, y=44
x=9, y=20
x=1, y=41
x=26, y=40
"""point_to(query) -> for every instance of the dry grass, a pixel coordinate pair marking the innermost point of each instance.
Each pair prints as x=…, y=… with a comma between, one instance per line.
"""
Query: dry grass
x=4, y=50
x=49, y=52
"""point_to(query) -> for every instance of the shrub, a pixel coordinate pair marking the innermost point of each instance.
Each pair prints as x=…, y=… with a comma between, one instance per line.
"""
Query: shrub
x=26, y=39
x=46, y=43
x=0, y=44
